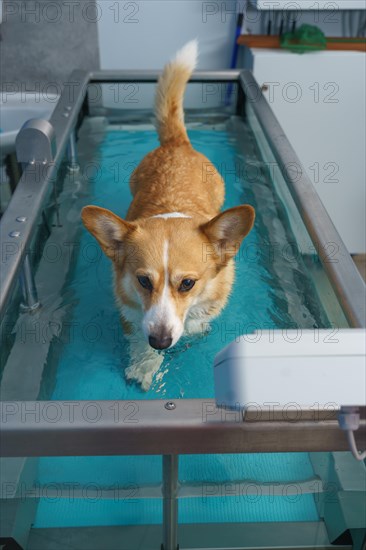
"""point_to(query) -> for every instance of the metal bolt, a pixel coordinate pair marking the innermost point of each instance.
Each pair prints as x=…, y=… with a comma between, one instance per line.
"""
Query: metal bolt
x=21, y=219
x=14, y=234
x=66, y=114
x=68, y=107
x=170, y=406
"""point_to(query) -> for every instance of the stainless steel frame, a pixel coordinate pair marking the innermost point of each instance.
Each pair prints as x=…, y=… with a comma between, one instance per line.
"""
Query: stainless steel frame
x=195, y=426
x=185, y=429
x=34, y=187
x=147, y=427
x=170, y=502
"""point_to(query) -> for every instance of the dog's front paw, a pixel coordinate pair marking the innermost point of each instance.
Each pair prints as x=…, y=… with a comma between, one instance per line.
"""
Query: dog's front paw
x=143, y=367
x=197, y=327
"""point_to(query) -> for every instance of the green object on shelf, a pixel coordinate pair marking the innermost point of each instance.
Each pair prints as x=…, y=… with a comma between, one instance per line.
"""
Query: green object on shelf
x=306, y=38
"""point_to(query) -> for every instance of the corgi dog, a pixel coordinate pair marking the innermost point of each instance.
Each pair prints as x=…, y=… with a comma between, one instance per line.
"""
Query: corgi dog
x=173, y=254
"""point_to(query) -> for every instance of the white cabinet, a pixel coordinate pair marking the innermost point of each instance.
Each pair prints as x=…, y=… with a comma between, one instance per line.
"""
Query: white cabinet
x=319, y=100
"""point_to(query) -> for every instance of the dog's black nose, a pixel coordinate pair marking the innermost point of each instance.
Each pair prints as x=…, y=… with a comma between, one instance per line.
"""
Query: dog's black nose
x=161, y=342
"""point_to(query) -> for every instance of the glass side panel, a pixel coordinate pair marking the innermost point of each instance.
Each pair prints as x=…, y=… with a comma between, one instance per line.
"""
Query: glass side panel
x=90, y=491
x=87, y=491
x=302, y=244
x=132, y=101
x=127, y=491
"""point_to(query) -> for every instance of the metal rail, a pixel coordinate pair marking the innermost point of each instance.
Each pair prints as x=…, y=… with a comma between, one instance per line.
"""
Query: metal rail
x=195, y=426
x=170, y=502
x=34, y=188
x=152, y=76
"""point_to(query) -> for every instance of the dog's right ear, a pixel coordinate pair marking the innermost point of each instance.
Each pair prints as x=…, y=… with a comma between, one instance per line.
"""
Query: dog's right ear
x=228, y=229
x=109, y=230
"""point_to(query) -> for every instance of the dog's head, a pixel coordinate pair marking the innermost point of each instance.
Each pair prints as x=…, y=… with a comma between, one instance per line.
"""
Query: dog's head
x=169, y=266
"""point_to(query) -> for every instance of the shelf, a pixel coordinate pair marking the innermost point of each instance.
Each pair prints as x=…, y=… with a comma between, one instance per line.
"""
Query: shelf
x=314, y=5
x=273, y=42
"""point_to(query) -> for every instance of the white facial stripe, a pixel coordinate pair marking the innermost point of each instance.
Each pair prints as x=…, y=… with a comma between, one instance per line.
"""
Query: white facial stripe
x=162, y=316
x=171, y=215
x=165, y=264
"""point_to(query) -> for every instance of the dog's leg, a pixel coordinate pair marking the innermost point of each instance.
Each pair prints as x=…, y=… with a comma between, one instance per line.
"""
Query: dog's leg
x=198, y=327
x=144, y=361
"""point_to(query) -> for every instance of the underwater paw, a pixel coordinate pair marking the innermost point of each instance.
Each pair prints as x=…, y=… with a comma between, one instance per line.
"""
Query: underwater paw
x=143, y=371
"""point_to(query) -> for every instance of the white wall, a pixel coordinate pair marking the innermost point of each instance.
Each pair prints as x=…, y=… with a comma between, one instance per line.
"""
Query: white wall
x=319, y=100
x=144, y=34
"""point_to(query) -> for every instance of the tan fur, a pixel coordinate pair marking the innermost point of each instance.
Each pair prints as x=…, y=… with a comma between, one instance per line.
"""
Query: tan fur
x=176, y=178
x=172, y=178
x=169, y=104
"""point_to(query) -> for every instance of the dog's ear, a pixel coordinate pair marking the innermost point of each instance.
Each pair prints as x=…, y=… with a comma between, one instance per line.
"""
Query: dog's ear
x=227, y=230
x=109, y=229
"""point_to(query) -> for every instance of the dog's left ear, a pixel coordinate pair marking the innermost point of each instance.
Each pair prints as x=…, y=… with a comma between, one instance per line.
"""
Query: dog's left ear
x=227, y=230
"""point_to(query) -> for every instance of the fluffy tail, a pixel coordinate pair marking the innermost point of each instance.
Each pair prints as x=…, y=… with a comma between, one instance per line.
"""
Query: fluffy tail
x=170, y=92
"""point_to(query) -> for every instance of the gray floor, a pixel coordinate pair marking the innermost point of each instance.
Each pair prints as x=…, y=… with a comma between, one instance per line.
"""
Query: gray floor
x=238, y=536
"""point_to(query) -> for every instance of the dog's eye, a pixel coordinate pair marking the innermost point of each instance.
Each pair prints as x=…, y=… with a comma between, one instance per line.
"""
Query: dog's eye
x=186, y=285
x=145, y=282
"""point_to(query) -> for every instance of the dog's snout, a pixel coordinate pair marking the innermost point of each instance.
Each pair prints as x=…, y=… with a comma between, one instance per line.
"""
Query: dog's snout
x=160, y=342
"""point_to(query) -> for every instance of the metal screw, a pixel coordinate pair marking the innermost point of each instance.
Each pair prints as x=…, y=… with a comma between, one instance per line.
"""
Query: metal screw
x=21, y=219
x=14, y=234
x=68, y=108
x=170, y=406
x=66, y=115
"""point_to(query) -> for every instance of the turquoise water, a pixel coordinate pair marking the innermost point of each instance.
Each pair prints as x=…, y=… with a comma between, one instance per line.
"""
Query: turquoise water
x=271, y=287
x=272, y=290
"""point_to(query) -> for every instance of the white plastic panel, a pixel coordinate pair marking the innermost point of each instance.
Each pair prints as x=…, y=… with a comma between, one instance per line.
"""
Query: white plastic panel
x=304, y=368
x=309, y=4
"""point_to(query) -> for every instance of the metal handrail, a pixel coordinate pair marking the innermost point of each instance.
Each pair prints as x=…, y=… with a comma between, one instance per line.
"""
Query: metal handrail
x=152, y=76
x=195, y=426
x=34, y=187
